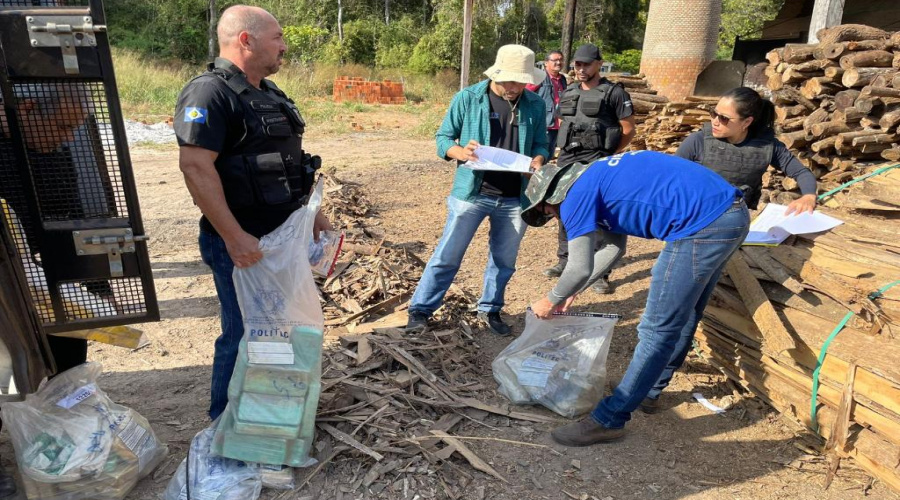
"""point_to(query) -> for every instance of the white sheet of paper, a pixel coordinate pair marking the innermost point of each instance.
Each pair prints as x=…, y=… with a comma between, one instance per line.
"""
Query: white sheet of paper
x=771, y=227
x=707, y=404
x=490, y=158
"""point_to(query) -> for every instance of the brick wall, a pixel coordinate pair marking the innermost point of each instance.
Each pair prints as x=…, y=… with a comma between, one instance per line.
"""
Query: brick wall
x=679, y=42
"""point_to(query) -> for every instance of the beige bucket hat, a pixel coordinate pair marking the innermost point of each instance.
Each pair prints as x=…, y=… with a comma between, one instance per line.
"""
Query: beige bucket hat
x=515, y=63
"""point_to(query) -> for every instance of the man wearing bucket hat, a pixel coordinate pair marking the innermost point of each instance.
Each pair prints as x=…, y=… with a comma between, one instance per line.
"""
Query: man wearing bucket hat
x=700, y=216
x=597, y=121
x=496, y=112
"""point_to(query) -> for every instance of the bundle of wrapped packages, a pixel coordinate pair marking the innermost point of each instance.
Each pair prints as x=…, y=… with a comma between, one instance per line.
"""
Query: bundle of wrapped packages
x=558, y=363
x=73, y=443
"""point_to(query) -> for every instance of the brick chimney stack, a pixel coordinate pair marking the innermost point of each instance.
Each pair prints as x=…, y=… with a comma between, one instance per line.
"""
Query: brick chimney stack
x=679, y=42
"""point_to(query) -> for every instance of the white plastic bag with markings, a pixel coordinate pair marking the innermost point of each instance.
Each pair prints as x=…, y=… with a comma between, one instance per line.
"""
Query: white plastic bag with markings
x=204, y=476
x=72, y=442
x=559, y=363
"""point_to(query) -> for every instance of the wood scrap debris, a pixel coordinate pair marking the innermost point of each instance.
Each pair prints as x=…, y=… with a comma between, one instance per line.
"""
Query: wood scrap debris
x=373, y=277
x=391, y=413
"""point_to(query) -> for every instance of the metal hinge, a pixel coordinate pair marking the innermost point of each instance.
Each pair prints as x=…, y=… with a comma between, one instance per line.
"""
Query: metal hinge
x=112, y=242
x=65, y=32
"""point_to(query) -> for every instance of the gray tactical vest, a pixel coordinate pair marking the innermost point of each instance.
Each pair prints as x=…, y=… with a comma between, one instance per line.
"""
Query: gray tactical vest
x=743, y=166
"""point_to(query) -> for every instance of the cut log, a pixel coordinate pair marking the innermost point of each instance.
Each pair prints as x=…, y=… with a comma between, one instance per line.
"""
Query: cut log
x=889, y=120
x=845, y=98
x=895, y=81
x=892, y=154
x=792, y=75
x=774, y=83
x=883, y=80
x=828, y=128
x=823, y=145
x=818, y=86
x=860, y=77
x=896, y=62
x=794, y=140
x=847, y=137
x=794, y=95
x=774, y=56
x=868, y=105
x=818, y=116
x=798, y=52
x=832, y=51
x=782, y=113
x=848, y=115
x=850, y=32
x=878, y=44
x=643, y=107
x=834, y=73
x=875, y=139
x=871, y=91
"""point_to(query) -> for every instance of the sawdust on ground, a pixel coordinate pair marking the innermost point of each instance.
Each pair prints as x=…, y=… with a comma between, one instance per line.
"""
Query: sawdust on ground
x=684, y=452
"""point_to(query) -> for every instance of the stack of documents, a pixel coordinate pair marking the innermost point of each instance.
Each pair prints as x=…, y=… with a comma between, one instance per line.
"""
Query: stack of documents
x=772, y=226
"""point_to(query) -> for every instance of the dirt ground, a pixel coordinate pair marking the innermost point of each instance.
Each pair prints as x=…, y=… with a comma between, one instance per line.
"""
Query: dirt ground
x=685, y=452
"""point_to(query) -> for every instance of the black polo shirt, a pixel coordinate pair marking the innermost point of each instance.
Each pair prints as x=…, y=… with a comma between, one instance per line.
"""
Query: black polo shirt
x=210, y=115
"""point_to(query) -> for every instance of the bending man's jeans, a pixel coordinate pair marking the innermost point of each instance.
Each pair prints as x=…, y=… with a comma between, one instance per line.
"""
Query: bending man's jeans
x=214, y=255
x=682, y=281
x=463, y=219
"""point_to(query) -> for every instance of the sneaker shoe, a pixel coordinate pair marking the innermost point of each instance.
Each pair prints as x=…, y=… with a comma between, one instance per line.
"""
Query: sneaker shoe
x=555, y=271
x=585, y=432
x=417, y=323
x=495, y=323
x=602, y=286
x=651, y=406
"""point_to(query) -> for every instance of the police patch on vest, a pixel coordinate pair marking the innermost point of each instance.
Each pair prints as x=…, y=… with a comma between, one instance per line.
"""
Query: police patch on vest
x=194, y=114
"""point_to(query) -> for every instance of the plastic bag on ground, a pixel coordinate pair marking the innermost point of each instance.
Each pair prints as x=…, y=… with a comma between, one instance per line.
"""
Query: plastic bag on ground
x=558, y=363
x=274, y=391
x=212, y=477
x=72, y=442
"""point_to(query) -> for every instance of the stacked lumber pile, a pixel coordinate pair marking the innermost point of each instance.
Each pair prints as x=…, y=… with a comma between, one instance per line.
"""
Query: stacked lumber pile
x=347, y=88
x=838, y=101
x=668, y=126
x=770, y=316
x=645, y=101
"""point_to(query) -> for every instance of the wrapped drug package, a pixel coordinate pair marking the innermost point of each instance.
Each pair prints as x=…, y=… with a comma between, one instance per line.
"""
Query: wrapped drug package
x=559, y=363
x=73, y=443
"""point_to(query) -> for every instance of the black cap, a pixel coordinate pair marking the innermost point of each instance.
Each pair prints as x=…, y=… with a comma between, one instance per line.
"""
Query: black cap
x=587, y=53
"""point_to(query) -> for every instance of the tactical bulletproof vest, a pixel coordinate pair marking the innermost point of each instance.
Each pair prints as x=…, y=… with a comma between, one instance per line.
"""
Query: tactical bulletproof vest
x=273, y=172
x=589, y=120
x=743, y=166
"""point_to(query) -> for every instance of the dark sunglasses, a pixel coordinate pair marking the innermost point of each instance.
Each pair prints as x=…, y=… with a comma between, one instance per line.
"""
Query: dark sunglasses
x=722, y=118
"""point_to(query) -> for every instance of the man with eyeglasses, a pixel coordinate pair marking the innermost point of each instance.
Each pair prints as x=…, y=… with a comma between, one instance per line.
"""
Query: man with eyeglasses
x=550, y=90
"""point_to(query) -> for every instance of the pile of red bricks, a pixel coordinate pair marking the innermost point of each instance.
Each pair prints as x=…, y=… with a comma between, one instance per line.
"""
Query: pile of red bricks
x=348, y=88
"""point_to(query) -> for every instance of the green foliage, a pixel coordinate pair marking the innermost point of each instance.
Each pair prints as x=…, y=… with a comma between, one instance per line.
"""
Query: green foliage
x=625, y=61
x=304, y=42
x=744, y=19
x=396, y=43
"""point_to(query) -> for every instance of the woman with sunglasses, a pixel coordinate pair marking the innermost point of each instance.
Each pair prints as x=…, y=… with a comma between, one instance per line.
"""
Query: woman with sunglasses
x=740, y=144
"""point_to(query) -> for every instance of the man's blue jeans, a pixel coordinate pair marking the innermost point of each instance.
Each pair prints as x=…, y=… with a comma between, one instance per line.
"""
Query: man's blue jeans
x=463, y=219
x=214, y=255
x=681, y=283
